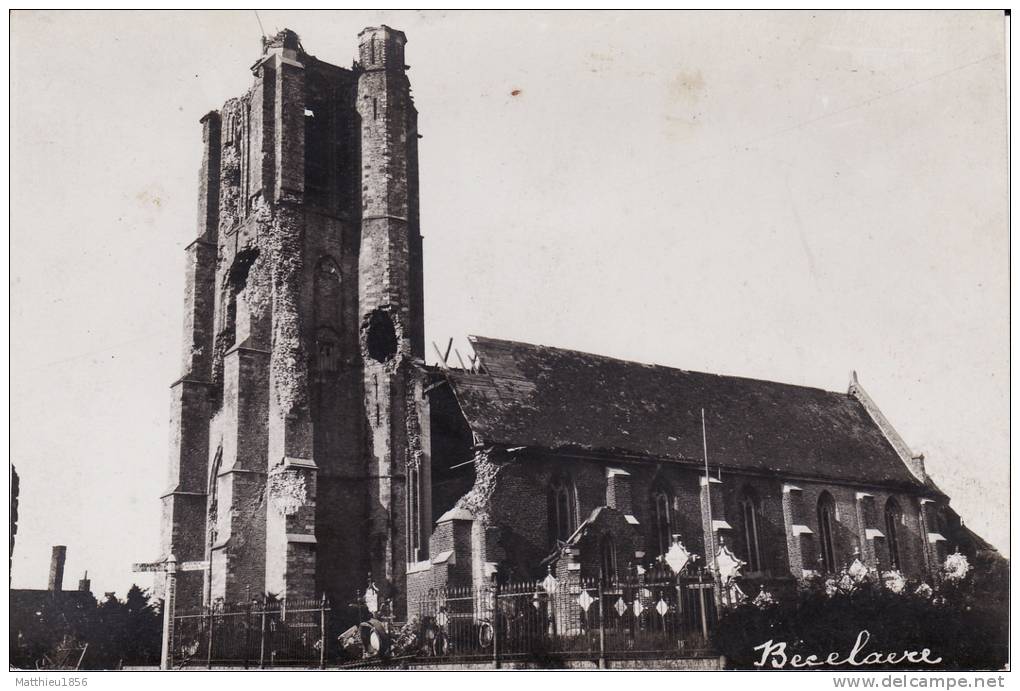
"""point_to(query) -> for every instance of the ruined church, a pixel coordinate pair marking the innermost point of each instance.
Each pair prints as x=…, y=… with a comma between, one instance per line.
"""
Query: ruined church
x=312, y=447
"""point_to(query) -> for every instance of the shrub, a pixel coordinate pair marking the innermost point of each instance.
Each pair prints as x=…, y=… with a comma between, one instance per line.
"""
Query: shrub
x=963, y=621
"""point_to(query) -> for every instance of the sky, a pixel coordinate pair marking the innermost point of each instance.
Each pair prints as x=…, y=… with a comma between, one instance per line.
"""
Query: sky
x=785, y=196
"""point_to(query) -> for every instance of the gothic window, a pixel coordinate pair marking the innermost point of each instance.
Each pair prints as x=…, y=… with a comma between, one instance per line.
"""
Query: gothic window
x=562, y=510
x=413, y=514
x=826, y=530
x=750, y=512
x=608, y=558
x=893, y=518
x=662, y=518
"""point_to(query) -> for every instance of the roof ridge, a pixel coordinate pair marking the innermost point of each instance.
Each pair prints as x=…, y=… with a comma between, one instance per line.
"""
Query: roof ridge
x=473, y=337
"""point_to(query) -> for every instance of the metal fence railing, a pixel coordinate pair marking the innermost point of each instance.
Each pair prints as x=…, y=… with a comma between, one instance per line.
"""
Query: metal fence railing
x=651, y=615
x=640, y=616
x=259, y=634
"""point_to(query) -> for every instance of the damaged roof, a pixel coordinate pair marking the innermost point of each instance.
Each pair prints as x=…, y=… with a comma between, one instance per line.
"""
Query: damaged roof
x=562, y=400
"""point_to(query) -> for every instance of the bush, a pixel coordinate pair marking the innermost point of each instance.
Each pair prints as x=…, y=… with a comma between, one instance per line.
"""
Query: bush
x=962, y=621
x=53, y=632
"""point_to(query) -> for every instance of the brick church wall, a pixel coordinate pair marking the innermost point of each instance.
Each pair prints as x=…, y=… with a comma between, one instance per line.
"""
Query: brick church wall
x=518, y=512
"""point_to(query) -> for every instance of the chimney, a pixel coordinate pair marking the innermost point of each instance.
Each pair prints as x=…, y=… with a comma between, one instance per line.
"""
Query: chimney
x=917, y=465
x=57, y=568
x=85, y=585
x=618, y=494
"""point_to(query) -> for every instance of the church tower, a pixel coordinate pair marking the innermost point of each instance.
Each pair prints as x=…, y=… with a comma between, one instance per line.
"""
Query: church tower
x=303, y=333
x=390, y=289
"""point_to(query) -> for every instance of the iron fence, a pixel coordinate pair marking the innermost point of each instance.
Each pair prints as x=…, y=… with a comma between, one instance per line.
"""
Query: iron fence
x=259, y=634
x=571, y=617
x=651, y=615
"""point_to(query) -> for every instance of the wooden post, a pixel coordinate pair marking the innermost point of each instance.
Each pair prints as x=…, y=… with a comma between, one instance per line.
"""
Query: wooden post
x=166, y=652
x=322, y=633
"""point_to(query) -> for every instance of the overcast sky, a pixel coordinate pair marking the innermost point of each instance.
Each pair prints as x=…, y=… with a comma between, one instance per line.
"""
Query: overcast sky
x=778, y=195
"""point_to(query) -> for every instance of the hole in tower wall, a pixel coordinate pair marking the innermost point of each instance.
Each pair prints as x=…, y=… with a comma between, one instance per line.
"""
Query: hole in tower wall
x=381, y=336
x=238, y=276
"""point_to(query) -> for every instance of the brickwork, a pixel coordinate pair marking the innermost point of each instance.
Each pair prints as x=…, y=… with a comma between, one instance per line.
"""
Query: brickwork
x=515, y=511
x=618, y=490
x=855, y=515
x=451, y=563
x=766, y=495
x=387, y=320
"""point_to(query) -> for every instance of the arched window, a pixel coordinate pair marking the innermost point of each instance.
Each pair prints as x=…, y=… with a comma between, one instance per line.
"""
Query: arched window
x=562, y=511
x=413, y=514
x=750, y=513
x=608, y=559
x=893, y=518
x=662, y=523
x=826, y=531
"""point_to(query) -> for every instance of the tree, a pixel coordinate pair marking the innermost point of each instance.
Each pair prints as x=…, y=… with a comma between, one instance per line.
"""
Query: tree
x=124, y=632
x=143, y=627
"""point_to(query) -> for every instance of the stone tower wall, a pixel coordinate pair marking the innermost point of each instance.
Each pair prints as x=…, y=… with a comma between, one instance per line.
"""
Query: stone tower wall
x=390, y=311
x=278, y=468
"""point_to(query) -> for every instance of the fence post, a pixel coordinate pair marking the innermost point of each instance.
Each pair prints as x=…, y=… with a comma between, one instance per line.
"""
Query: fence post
x=247, y=627
x=262, y=637
x=208, y=648
x=602, y=625
x=495, y=621
x=704, y=605
x=322, y=633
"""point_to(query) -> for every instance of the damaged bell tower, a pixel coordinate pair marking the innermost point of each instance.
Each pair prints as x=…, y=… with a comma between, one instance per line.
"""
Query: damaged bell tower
x=390, y=284
x=303, y=331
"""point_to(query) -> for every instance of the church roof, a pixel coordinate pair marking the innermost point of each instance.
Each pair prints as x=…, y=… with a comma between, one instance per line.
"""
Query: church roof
x=564, y=400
